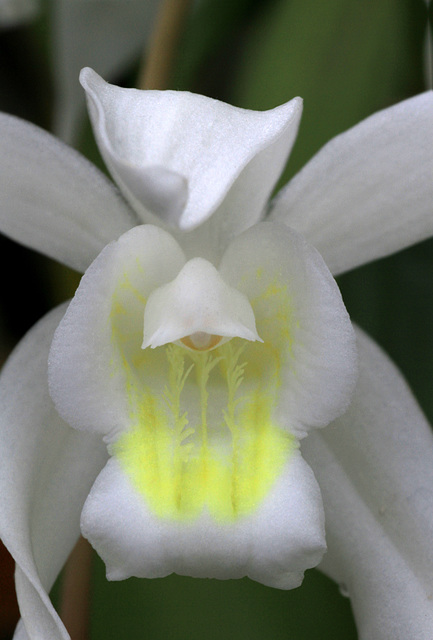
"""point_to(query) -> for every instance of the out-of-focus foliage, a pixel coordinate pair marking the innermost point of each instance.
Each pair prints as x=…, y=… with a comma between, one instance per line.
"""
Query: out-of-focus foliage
x=345, y=59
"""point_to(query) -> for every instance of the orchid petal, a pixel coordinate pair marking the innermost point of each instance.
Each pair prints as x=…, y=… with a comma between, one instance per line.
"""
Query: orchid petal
x=300, y=314
x=46, y=472
x=80, y=29
x=375, y=469
x=208, y=152
x=369, y=191
x=53, y=199
x=84, y=362
x=274, y=545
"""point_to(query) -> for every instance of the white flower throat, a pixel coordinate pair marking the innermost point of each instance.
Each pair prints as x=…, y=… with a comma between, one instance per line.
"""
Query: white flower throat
x=202, y=434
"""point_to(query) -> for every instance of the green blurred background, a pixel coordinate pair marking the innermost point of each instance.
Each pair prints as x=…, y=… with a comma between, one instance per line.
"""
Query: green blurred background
x=347, y=59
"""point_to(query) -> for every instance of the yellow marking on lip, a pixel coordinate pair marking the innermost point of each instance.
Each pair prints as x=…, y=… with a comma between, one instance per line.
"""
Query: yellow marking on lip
x=178, y=467
x=202, y=434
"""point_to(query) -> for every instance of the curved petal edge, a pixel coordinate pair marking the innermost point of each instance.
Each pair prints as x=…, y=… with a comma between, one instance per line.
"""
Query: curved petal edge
x=374, y=466
x=369, y=191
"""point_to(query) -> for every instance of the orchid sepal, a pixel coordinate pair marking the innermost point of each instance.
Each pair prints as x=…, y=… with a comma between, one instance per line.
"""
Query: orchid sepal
x=374, y=468
x=234, y=146
x=369, y=191
x=46, y=472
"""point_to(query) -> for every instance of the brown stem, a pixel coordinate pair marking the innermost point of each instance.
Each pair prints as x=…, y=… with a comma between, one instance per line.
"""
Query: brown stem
x=155, y=73
x=75, y=598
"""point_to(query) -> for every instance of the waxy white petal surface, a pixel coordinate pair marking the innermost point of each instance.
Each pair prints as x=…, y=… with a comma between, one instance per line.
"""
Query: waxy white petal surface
x=287, y=279
x=374, y=467
x=53, y=199
x=84, y=363
x=211, y=151
x=274, y=545
x=46, y=472
x=369, y=191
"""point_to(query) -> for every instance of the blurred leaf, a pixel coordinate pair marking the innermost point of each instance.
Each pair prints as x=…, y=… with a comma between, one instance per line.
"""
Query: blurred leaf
x=177, y=608
x=346, y=60
x=211, y=26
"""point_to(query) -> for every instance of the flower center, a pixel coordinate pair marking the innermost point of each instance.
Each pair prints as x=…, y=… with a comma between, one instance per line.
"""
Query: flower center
x=201, y=395
x=204, y=440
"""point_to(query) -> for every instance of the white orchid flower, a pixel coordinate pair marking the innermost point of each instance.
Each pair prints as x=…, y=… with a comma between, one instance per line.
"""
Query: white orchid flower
x=202, y=347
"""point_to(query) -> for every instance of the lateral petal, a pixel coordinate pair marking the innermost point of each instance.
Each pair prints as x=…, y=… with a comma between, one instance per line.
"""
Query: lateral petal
x=52, y=199
x=369, y=191
x=375, y=469
x=46, y=472
x=207, y=152
x=309, y=343
x=108, y=306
